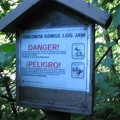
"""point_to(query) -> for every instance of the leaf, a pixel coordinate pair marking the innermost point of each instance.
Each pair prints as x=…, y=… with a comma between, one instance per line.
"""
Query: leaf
x=103, y=86
x=1, y=58
x=108, y=62
x=106, y=2
x=5, y=6
x=8, y=58
x=9, y=47
x=116, y=17
x=97, y=45
x=109, y=44
x=103, y=106
x=95, y=2
x=4, y=80
x=114, y=92
x=2, y=101
x=101, y=76
x=117, y=108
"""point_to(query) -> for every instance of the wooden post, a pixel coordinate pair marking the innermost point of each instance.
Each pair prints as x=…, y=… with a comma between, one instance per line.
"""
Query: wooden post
x=52, y=115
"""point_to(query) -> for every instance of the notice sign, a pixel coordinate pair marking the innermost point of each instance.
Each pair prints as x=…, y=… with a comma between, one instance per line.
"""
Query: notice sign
x=56, y=58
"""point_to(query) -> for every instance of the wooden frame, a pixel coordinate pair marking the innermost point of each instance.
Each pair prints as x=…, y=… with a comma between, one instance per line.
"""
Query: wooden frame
x=54, y=99
x=18, y=15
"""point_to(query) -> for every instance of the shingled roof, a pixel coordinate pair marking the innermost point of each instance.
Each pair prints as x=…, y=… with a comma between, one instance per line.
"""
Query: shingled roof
x=28, y=7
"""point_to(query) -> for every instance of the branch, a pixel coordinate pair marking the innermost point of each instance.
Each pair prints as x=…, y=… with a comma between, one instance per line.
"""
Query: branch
x=105, y=54
x=8, y=98
x=13, y=106
x=110, y=53
x=102, y=57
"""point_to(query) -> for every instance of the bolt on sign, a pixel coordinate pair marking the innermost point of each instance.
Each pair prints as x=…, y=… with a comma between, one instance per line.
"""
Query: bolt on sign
x=55, y=53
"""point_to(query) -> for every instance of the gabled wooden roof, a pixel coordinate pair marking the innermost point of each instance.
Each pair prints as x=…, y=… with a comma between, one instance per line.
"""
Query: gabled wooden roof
x=28, y=7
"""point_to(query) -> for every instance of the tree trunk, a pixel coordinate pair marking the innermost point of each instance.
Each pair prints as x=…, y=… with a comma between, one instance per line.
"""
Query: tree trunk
x=110, y=53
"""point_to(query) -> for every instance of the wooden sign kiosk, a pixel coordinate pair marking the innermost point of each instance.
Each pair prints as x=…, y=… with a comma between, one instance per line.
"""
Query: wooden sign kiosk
x=55, y=53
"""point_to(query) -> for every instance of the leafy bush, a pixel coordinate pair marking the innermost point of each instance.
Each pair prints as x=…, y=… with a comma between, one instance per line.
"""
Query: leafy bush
x=107, y=77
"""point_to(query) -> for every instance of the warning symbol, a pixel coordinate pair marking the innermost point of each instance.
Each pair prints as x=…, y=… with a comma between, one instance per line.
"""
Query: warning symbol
x=77, y=70
x=78, y=51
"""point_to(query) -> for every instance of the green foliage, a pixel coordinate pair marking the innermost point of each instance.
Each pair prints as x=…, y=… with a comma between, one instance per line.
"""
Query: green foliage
x=107, y=80
x=4, y=80
x=6, y=58
x=116, y=16
x=106, y=2
x=31, y=114
x=8, y=47
x=1, y=58
x=108, y=62
x=5, y=5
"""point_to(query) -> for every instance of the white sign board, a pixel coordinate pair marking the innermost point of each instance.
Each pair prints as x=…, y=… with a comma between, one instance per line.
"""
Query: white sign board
x=56, y=58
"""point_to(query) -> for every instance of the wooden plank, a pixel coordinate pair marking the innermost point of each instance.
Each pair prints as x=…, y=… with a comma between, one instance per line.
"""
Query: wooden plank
x=18, y=15
x=90, y=11
x=56, y=100
x=53, y=115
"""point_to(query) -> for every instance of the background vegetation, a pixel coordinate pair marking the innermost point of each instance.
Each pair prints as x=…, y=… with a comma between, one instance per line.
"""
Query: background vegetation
x=107, y=77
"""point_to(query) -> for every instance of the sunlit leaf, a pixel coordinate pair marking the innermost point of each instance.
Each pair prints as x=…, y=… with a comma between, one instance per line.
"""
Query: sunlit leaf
x=106, y=2
x=8, y=58
x=8, y=47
